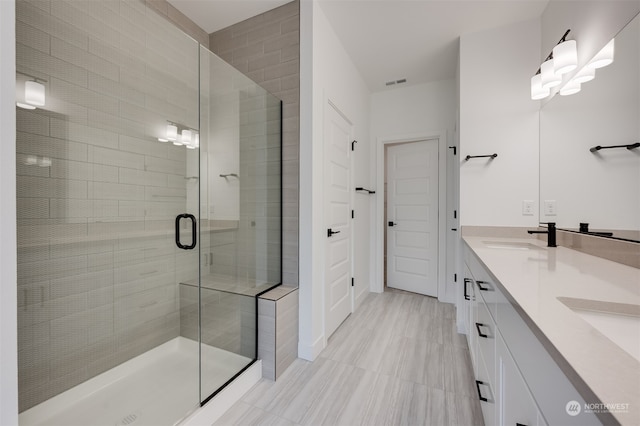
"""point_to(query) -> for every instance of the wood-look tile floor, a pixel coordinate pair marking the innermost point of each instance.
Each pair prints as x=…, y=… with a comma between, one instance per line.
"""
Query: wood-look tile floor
x=397, y=360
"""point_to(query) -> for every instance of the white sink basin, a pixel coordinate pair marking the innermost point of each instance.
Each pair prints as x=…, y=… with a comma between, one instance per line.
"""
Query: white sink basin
x=510, y=245
x=619, y=322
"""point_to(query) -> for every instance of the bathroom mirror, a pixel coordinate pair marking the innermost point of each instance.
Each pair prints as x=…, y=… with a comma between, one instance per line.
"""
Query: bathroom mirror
x=580, y=184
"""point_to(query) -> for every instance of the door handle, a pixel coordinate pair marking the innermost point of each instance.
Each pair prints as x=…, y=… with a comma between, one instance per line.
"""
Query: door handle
x=330, y=232
x=193, y=231
x=392, y=223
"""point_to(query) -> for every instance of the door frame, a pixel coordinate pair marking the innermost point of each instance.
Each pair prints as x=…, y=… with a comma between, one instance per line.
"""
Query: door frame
x=378, y=285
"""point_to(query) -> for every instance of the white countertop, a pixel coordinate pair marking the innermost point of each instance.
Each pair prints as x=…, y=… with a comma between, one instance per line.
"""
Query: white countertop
x=535, y=279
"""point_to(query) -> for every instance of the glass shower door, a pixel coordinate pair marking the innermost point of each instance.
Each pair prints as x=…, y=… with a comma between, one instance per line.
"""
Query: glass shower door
x=104, y=168
x=240, y=209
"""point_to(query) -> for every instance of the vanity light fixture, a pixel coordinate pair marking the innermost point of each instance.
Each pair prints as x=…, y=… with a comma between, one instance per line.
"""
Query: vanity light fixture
x=585, y=74
x=570, y=88
x=604, y=57
x=565, y=57
x=172, y=132
x=562, y=59
x=549, y=77
x=186, y=137
x=34, y=93
x=195, y=141
x=537, y=91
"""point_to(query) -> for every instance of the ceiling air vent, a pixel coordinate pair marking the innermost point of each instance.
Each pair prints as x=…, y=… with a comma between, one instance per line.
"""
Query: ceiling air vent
x=393, y=82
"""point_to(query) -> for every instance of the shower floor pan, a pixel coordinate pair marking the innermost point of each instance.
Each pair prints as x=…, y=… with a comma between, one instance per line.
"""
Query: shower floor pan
x=159, y=387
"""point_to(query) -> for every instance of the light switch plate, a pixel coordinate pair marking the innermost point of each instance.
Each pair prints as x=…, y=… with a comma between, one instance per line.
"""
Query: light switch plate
x=527, y=208
x=550, y=208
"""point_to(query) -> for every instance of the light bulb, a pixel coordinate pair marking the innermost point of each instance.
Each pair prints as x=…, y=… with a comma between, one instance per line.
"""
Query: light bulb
x=604, y=57
x=565, y=57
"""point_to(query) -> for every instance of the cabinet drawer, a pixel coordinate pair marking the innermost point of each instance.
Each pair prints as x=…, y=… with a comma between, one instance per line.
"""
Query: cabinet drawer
x=486, y=393
x=517, y=406
x=486, y=288
x=485, y=332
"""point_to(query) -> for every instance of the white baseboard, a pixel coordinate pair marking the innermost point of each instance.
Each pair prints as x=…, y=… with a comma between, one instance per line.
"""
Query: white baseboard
x=311, y=352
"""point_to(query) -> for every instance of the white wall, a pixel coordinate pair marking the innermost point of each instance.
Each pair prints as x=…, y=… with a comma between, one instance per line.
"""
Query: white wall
x=326, y=73
x=497, y=115
x=8, y=261
x=414, y=109
x=415, y=112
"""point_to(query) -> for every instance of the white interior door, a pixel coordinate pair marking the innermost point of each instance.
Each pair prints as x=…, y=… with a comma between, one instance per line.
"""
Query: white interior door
x=337, y=196
x=412, y=217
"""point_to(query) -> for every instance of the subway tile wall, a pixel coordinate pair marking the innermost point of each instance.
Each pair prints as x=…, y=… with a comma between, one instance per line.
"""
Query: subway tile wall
x=266, y=48
x=97, y=193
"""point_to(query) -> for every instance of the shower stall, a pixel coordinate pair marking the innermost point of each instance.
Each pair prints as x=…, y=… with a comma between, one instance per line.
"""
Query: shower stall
x=149, y=215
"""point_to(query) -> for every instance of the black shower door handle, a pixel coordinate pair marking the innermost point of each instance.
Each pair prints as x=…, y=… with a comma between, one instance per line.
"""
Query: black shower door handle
x=193, y=231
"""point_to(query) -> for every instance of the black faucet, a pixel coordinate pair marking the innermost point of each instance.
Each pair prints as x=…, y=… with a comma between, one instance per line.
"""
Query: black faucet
x=584, y=229
x=551, y=233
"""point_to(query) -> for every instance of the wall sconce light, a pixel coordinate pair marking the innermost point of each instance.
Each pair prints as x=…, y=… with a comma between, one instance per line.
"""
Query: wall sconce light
x=604, y=57
x=172, y=132
x=180, y=135
x=34, y=93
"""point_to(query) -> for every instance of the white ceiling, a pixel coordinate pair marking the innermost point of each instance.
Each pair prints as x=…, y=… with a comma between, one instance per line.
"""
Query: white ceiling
x=214, y=15
x=387, y=39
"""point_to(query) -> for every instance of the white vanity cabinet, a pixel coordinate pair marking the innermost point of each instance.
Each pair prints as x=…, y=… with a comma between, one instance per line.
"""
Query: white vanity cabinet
x=517, y=381
x=517, y=404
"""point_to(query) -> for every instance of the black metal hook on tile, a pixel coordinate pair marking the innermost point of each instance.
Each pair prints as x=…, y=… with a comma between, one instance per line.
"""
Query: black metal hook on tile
x=359, y=188
x=629, y=147
x=492, y=156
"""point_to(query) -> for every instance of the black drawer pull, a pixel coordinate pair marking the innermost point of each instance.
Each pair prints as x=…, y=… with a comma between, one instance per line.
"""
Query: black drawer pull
x=487, y=288
x=520, y=424
x=480, y=333
x=478, y=383
x=466, y=294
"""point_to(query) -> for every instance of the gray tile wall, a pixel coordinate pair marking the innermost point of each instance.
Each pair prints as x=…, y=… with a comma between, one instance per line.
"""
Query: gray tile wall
x=267, y=49
x=97, y=193
x=277, y=330
x=179, y=20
